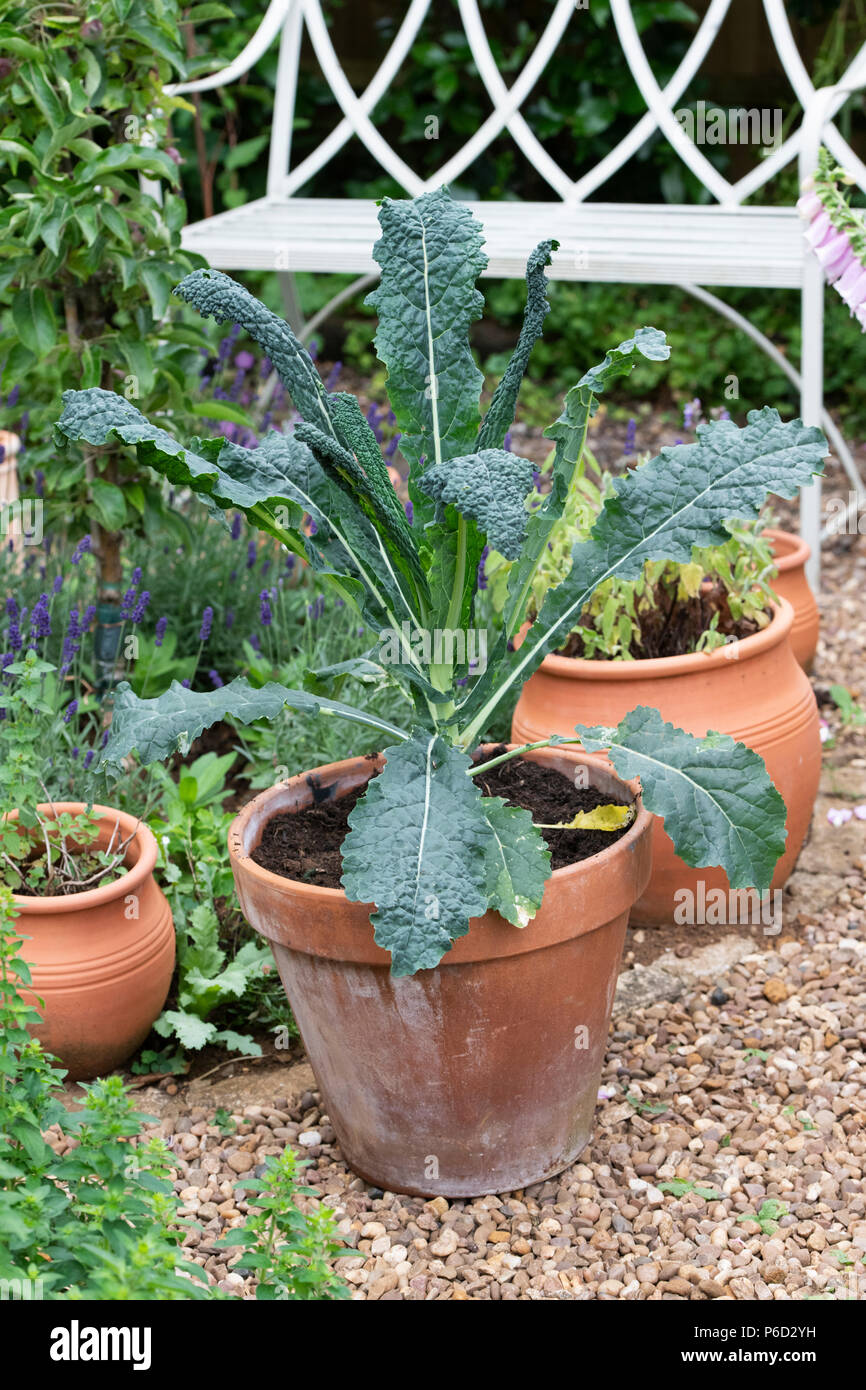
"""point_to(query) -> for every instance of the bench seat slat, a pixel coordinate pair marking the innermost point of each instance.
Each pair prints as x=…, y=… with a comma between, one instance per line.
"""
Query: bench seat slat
x=631, y=243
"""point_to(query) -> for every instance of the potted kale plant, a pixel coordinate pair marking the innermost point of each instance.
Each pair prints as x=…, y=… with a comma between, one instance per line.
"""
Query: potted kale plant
x=448, y=917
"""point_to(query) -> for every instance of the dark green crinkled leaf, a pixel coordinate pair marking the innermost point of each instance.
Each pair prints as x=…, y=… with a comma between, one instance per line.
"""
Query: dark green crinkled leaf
x=569, y=435
x=715, y=796
x=489, y=487
x=500, y=414
x=356, y=433
x=433, y=878
x=518, y=862
x=341, y=464
x=156, y=728
x=282, y=470
x=661, y=511
x=430, y=254
x=218, y=296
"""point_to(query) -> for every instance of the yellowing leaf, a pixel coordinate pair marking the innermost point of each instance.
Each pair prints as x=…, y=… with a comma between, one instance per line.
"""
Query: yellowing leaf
x=601, y=818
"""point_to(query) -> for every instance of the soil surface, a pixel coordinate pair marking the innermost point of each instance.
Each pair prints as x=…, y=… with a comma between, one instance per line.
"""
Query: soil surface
x=306, y=845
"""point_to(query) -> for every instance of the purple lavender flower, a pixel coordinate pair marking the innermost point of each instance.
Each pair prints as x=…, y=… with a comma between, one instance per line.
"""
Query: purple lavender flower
x=266, y=564
x=12, y=607
x=391, y=447
x=39, y=482
x=82, y=548
x=159, y=634
x=128, y=602
x=506, y=443
x=104, y=740
x=88, y=758
x=409, y=512
x=691, y=413
x=185, y=682
x=224, y=351
x=89, y=615
x=252, y=554
x=216, y=679
x=13, y=637
x=141, y=606
x=316, y=609
x=230, y=619
x=290, y=563
x=254, y=642
x=236, y=526
x=630, y=446
x=333, y=376
x=244, y=360
x=482, y=577
x=206, y=624
x=40, y=623
x=266, y=615
x=373, y=420
x=58, y=584
x=71, y=709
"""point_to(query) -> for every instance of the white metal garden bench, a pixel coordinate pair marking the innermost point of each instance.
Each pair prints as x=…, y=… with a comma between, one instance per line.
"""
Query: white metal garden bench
x=722, y=244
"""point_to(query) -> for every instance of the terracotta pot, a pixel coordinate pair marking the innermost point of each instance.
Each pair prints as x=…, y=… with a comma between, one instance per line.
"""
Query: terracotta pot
x=755, y=691
x=481, y=1075
x=102, y=960
x=791, y=554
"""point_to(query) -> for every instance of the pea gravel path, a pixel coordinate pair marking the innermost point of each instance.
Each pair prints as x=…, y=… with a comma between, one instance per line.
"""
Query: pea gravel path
x=747, y=1095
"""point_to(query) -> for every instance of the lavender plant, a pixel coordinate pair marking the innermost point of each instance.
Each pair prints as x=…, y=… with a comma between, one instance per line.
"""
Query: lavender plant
x=424, y=834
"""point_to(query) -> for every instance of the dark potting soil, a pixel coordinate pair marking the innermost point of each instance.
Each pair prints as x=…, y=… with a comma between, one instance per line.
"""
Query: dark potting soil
x=306, y=845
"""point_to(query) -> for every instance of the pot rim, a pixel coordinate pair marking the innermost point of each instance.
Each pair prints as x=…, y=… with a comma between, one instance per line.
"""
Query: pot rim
x=796, y=553
x=54, y=903
x=317, y=893
x=777, y=631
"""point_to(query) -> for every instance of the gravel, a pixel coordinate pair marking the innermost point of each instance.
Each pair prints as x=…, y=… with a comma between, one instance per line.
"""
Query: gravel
x=727, y=1162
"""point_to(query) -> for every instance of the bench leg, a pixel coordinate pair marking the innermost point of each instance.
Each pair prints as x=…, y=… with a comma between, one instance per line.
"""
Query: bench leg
x=812, y=403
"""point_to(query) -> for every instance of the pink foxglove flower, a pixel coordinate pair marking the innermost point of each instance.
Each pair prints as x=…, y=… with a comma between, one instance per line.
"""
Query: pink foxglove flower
x=836, y=233
x=819, y=231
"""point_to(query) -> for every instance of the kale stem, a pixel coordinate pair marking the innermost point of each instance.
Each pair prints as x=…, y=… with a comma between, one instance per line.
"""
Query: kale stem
x=551, y=742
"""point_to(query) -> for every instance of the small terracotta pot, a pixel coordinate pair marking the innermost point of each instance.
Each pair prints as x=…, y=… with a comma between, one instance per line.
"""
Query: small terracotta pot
x=754, y=690
x=102, y=960
x=481, y=1075
x=791, y=554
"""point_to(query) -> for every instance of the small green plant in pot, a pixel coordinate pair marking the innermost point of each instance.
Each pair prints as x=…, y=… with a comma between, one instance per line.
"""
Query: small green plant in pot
x=722, y=593
x=452, y=870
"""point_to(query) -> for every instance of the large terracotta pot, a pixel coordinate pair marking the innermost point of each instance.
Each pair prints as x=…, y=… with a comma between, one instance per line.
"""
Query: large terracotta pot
x=481, y=1075
x=753, y=690
x=791, y=554
x=102, y=960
